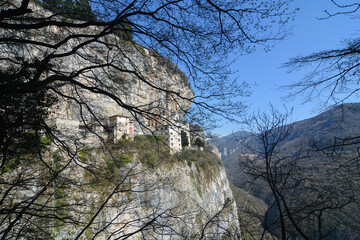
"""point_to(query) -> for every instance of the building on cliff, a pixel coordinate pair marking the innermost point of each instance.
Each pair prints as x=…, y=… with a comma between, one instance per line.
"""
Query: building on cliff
x=123, y=127
x=73, y=189
x=172, y=134
x=120, y=127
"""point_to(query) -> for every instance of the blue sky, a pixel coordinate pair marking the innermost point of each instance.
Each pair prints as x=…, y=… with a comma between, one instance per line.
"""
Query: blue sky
x=262, y=69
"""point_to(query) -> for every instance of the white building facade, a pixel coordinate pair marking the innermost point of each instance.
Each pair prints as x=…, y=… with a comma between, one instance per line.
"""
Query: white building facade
x=172, y=134
x=121, y=125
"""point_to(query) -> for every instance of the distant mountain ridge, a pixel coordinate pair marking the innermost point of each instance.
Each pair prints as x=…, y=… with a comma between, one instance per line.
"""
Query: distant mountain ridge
x=342, y=121
x=332, y=177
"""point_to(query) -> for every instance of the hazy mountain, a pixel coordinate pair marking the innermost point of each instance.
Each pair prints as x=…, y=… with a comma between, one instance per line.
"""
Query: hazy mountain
x=341, y=122
x=337, y=123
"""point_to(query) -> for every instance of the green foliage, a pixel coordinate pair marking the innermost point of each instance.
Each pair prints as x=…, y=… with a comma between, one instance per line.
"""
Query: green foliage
x=45, y=141
x=150, y=159
x=125, y=158
x=204, y=161
x=96, y=182
x=184, y=139
x=84, y=153
x=56, y=160
x=22, y=117
x=124, y=30
x=199, y=142
x=59, y=194
x=79, y=9
x=151, y=149
x=7, y=167
x=23, y=150
x=110, y=164
x=61, y=207
x=115, y=161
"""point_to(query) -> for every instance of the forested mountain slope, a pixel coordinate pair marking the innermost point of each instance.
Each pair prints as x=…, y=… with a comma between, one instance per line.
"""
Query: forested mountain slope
x=315, y=173
x=339, y=122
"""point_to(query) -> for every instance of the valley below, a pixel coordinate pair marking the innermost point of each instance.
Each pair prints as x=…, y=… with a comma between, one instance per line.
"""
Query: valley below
x=320, y=156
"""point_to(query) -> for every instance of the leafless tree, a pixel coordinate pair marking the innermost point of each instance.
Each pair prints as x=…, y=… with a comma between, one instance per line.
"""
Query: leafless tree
x=303, y=186
x=56, y=61
x=335, y=78
x=335, y=71
x=266, y=162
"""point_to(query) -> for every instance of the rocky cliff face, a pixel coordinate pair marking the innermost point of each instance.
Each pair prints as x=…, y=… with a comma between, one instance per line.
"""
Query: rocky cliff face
x=126, y=189
x=177, y=199
x=154, y=92
x=138, y=82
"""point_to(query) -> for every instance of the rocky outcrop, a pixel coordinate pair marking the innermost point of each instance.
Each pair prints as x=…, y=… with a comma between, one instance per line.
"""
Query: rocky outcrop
x=138, y=82
x=179, y=201
x=174, y=199
x=102, y=194
x=153, y=92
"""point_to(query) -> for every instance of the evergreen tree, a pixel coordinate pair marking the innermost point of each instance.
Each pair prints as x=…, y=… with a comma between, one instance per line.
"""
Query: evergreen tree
x=184, y=139
x=53, y=5
x=81, y=10
x=74, y=9
x=199, y=142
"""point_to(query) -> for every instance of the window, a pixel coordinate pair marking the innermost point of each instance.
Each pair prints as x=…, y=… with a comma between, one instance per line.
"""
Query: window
x=82, y=128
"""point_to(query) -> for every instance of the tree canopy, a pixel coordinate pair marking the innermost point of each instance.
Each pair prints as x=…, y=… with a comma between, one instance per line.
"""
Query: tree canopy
x=184, y=139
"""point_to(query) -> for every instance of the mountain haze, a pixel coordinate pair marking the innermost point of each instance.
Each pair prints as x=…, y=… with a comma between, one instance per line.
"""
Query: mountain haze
x=324, y=158
x=339, y=122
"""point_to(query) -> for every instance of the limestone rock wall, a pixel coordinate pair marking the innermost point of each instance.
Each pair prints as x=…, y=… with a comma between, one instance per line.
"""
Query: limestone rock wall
x=168, y=202
x=136, y=80
x=178, y=202
x=150, y=93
